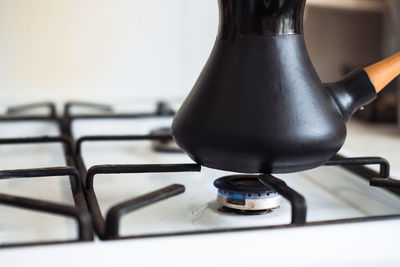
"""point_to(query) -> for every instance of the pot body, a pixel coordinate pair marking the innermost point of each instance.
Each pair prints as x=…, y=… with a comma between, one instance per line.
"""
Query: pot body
x=258, y=105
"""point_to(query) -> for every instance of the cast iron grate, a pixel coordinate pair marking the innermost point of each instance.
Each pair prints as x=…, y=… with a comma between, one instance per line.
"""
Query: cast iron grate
x=79, y=212
x=107, y=228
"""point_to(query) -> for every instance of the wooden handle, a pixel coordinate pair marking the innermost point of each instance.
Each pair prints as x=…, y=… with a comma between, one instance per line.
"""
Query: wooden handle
x=385, y=71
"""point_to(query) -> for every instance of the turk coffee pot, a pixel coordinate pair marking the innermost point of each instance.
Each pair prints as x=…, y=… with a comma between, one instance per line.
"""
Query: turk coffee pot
x=259, y=106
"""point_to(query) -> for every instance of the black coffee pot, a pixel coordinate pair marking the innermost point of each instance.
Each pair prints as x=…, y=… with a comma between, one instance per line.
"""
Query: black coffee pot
x=259, y=105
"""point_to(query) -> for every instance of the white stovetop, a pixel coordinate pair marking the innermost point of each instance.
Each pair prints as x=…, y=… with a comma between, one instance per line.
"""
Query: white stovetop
x=335, y=194
x=374, y=139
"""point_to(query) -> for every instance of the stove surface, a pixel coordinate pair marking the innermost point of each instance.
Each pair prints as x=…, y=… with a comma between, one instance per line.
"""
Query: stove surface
x=332, y=193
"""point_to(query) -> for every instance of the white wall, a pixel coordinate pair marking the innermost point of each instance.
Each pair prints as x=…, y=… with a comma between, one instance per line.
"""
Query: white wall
x=112, y=49
x=342, y=39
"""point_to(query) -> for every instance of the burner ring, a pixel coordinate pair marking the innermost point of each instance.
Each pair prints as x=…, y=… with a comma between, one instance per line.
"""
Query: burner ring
x=243, y=183
x=246, y=193
x=167, y=145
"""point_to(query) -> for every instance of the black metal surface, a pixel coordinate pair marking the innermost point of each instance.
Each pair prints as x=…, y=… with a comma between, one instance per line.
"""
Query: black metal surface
x=358, y=166
x=39, y=140
x=12, y=113
x=167, y=145
x=162, y=110
x=142, y=168
x=384, y=165
x=41, y=172
x=93, y=106
x=115, y=213
x=108, y=228
x=385, y=182
x=80, y=211
x=227, y=210
x=99, y=222
x=80, y=215
x=297, y=201
x=243, y=184
x=150, y=137
x=29, y=107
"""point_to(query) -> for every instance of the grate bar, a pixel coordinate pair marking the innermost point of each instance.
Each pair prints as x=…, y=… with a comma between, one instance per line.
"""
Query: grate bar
x=28, y=107
x=146, y=168
x=114, y=215
x=108, y=228
x=338, y=160
x=297, y=201
x=95, y=106
x=80, y=210
x=97, y=138
x=39, y=140
x=81, y=216
x=41, y=172
x=113, y=226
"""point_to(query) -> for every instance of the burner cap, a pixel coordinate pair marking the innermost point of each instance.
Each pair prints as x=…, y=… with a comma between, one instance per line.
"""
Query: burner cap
x=246, y=193
x=242, y=183
x=167, y=145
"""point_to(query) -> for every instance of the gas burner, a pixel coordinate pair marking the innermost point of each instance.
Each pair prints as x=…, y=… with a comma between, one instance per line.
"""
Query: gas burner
x=243, y=212
x=165, y=145
x=246, y=195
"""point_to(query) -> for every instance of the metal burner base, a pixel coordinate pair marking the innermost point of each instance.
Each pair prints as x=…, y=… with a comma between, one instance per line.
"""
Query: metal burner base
x=166, y=145
x=244, y=212
x=271, y=201
x=246, y=193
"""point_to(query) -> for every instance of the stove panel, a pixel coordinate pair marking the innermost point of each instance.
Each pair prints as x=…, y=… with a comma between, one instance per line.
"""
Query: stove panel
x=139, y=191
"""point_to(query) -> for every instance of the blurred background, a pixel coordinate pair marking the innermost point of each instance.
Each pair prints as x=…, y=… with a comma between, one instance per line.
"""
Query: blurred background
x=130, y=50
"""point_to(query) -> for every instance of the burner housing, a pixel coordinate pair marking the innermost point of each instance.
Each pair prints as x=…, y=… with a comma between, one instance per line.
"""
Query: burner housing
x=246, y=193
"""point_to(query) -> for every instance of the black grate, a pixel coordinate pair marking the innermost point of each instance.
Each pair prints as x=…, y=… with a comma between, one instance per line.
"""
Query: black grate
x=107, y=228
x=80, y=211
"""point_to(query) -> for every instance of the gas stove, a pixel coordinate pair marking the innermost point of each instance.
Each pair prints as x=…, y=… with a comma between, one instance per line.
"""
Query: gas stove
x=92, y=175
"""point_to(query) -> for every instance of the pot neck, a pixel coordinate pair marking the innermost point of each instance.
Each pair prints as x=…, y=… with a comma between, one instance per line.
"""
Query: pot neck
x=260, y=17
